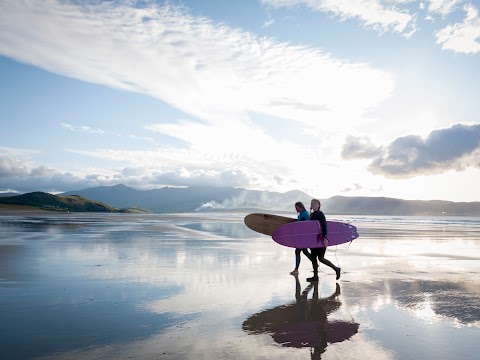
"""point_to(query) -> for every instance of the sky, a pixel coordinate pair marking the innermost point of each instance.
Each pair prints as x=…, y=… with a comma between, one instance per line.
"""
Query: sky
x=330, y=97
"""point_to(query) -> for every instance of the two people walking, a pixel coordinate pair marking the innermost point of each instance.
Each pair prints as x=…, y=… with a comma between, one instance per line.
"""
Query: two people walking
x=316, y=254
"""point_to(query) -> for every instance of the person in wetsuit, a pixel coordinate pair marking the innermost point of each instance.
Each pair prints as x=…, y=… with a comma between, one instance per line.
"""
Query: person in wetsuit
x=319, y=253
x=302, y=216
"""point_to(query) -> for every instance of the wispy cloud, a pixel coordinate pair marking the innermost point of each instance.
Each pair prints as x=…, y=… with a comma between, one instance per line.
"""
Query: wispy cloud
x=82, y=129
x=211, y=71
x=218, y=75
x=462, y=37
x=400, y=17
x=376, y=14
x=444, y=7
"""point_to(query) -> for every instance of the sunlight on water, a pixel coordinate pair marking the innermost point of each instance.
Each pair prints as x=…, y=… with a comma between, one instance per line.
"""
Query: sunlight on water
x=194, y=286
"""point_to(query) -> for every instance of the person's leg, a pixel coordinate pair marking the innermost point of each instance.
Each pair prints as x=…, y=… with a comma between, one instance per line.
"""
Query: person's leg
x=297, y=261
x=314, y=255
x=307, y=254
x=321, y=258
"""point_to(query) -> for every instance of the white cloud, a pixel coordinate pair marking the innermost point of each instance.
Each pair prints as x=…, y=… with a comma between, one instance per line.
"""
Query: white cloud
x=444, y=7
x=19, y=174
x=10, y=166
x=217, y=74
x=82, y=128
x=397, y=16
x=221, y=77
x=269, y=22
x=376, y=14
x=211, y=71
x=462, y=37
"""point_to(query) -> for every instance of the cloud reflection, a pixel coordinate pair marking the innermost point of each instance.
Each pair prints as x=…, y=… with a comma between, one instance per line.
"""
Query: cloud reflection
x=187, y=288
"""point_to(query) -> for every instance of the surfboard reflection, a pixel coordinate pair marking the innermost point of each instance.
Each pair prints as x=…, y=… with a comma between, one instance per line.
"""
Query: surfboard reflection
x=304, y=323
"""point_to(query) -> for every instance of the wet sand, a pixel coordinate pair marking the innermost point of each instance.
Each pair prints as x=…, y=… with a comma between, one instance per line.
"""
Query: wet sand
x=196, y=286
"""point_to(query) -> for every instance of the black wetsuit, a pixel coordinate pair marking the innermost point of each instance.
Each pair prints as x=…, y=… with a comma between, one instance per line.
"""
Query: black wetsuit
x=319, y=253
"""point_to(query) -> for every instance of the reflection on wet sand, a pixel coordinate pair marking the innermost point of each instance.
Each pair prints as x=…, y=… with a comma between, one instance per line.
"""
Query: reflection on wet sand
x=304, y=323
x=180, y=287
x=450, y=300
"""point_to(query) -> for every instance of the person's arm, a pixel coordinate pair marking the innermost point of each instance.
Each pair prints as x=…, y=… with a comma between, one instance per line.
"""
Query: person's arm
x=305, y=216
x=320, y=216
x=323, y=223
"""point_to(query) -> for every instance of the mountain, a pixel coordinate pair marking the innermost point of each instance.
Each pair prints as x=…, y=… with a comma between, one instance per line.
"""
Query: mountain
x=390, y=206
x=58, y=203
x=207, y=198
x=194, y=198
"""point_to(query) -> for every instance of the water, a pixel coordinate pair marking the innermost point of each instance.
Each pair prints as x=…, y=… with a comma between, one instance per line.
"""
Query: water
x=190, y=286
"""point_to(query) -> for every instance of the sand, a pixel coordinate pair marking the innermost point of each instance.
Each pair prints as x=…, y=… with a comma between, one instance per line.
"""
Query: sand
x=197, y=286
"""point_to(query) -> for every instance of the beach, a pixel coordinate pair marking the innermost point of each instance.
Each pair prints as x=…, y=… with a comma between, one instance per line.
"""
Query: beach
x=204, y=286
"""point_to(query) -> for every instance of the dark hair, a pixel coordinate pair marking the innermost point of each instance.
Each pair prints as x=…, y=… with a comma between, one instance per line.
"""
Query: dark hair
x=300, y=205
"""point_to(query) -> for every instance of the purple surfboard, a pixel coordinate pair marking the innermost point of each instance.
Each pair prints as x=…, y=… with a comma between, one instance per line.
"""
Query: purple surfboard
x=307, y=234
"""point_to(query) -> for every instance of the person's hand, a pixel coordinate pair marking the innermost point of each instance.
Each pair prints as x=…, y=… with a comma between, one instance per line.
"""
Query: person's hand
x=325, y=241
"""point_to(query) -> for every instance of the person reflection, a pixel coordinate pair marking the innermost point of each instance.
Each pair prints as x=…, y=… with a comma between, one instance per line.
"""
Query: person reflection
x=304, y=323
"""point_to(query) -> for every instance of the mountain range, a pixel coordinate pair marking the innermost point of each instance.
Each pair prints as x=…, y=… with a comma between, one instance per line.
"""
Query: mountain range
x=207, y=198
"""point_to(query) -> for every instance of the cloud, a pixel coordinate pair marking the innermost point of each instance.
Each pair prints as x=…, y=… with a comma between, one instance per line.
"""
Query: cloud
x=352, y=187
x=184, y=177
x=11, y=166
x=220, y=77
x=359, y=148
x=396, y=16
x=462, y=37
x=444, y=7
x=269, y=22
x=20, y=175
x=376, y=14
x=455, y=148
x=82, y=128
x=24, y=176
x=211, y=71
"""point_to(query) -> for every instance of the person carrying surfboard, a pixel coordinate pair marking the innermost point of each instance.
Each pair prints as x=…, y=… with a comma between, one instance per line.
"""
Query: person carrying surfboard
x=302, y=215
x=319, y=253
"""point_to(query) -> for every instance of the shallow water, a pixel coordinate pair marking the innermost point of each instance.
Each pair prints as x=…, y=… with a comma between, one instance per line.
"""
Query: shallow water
x=193, y=286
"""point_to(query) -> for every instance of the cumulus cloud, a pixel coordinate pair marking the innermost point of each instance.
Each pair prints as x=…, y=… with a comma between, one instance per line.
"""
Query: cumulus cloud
x=11, y=167
x=18, y=174
x=22, y=176
x=455, y=148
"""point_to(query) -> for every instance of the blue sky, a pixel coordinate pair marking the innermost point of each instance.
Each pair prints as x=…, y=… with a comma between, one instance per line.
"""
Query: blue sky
x=353, y=98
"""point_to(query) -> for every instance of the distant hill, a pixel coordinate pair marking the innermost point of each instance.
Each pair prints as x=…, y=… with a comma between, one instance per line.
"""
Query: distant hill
x=390, y=206
x=194, y=198
x=206, y=198
x=51, y=202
